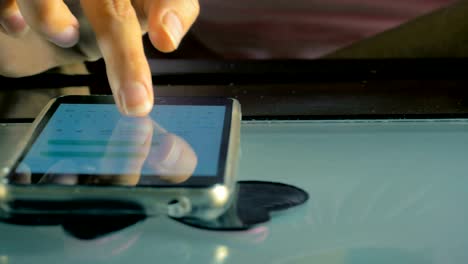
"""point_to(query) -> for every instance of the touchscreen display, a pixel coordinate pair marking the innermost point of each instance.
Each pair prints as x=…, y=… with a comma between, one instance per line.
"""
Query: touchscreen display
x=174, y=142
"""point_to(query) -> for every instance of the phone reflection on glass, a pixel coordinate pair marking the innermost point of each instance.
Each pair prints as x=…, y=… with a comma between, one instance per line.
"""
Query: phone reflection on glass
x=134, y=146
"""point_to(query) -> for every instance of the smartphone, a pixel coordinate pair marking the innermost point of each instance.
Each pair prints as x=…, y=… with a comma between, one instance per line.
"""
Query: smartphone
x=83, y=157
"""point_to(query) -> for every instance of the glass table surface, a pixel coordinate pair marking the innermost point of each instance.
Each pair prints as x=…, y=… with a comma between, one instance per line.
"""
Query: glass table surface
x=381, y=191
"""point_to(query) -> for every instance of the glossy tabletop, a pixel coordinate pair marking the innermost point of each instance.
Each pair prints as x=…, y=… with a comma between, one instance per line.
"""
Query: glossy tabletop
x=385, y=191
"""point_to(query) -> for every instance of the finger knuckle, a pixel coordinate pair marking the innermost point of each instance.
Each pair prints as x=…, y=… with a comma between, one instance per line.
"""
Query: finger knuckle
x=196, y=7
x=191, y=9
x=119, y=9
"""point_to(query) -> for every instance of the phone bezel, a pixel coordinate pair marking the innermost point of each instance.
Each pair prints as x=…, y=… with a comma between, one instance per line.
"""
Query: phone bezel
x=198, y=181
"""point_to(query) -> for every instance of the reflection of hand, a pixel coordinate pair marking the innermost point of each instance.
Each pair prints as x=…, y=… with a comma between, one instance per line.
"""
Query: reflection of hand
x=135, y=145
x=163, y=154
x=116, y=25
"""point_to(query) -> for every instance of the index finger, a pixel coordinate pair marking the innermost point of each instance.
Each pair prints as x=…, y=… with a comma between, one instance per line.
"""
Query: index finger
x=119, y=38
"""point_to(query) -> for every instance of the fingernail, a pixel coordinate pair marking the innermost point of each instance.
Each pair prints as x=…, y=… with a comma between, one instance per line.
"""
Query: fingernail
x=67, y=38
x=174, y=152
x=173, y=27
x=135, y=100
x=14, y=24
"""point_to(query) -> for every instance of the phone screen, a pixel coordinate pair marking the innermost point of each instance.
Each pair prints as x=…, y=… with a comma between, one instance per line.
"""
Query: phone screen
x=94, y=143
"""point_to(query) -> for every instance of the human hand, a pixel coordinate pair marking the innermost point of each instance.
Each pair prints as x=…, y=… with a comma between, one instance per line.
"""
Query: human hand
x=111, y=29
x=151, y=153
